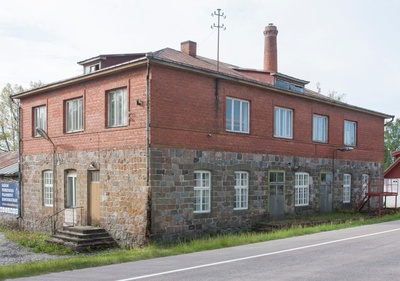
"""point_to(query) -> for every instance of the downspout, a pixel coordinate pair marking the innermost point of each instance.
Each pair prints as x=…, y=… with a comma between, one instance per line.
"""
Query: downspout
x=149, y=204
x=19, y=163
x=389, y=121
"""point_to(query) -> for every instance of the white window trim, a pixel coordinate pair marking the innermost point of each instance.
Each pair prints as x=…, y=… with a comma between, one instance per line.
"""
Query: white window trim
x=73, y=175
x=346, y=188
x=39, y=119
x=48, y=188
x=281, y=130
x=320, y=128
x=303, y=188
x=203, y=189
x=74, y=115
x=349, y=137
x=244, y=124
x=241, y=190
x=117, y=116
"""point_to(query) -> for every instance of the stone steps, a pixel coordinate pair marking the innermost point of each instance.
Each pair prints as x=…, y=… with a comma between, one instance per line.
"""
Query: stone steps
x=83, y=238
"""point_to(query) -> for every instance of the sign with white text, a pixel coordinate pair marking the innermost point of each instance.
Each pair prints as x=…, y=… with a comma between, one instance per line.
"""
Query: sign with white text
x=9, y=198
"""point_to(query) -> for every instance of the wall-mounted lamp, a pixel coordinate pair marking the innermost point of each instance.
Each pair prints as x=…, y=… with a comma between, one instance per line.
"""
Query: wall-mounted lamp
x=92, y=166
x=293, y=167
x=138, y=102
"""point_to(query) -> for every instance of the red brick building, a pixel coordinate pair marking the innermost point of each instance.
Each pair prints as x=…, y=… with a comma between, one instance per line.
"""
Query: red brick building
x=163, y=146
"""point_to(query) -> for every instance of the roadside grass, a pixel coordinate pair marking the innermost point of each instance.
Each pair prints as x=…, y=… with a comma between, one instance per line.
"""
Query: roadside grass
x=73, y=261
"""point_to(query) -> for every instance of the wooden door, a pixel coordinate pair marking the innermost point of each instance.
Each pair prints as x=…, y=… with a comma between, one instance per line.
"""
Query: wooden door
x=94, y=199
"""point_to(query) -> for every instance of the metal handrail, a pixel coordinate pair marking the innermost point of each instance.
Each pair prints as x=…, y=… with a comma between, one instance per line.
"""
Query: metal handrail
x=53, y=222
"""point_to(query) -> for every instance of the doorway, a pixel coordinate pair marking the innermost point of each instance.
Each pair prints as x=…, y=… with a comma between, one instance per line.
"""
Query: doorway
x=276, y=194
x=326, y=192
x=94, y=198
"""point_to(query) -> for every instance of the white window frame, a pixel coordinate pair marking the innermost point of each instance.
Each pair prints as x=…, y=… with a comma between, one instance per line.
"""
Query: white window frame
x=71, y=189
x=117, y=108
x=283, y=122
x=74, y=115
x=346, y=188
x=39, y=119
x=237, y=115
x=202, y=192
x=48, y=188
x=320, y=128
x=241, y=190
x=364, y=183
x=302, y=189
x=350, y=133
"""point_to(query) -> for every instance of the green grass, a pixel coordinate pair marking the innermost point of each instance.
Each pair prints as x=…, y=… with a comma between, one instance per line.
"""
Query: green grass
x=93, y=259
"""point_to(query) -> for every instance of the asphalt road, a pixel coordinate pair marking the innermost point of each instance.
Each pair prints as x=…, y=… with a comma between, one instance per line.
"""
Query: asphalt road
x=363, y=253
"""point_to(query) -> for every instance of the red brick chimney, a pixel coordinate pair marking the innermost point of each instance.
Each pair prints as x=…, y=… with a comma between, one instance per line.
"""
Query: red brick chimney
x=270, y=48
x=189, y=48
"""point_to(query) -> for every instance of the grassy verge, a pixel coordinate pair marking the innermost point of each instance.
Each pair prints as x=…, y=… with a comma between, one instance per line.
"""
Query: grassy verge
x=78, y=261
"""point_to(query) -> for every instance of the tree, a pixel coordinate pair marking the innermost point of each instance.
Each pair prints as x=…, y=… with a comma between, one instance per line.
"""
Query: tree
x=339, y=97
x=392, y=140
x=9, y=116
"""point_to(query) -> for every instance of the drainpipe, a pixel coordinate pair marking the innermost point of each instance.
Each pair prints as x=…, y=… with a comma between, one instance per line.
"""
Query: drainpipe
x=148, y=226
x=19, y=162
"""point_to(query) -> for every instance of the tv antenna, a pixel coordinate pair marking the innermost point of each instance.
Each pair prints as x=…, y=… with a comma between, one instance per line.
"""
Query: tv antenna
x=220, y=15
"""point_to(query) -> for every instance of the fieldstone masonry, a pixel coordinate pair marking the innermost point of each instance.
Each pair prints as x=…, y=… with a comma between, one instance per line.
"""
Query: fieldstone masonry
x=172, y=184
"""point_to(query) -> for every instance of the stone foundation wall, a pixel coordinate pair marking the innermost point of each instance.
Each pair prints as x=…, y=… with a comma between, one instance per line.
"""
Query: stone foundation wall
x=172, y=194
x=123, y=191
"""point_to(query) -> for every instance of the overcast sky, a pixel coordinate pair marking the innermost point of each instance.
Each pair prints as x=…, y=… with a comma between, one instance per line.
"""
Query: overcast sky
x=348, y=46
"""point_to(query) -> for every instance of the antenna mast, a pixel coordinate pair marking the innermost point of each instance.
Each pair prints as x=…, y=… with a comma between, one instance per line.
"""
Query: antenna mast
x=220, y=15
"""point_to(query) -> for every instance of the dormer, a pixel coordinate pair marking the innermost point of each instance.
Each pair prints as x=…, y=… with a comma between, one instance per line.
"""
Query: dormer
x=289, y=83
x=104, y=61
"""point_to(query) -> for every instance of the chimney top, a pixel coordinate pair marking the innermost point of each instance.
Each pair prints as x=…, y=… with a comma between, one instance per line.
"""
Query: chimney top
x=189, y=48
x=270, y=48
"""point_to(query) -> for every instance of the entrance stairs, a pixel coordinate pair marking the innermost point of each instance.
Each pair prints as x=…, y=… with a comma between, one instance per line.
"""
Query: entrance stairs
x=83, y=238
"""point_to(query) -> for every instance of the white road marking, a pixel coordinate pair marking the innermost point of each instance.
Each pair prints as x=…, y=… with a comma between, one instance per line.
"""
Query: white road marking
x=257, y=256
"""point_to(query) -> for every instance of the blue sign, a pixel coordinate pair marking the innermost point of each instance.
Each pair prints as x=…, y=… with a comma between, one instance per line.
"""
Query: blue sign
x=9, y=199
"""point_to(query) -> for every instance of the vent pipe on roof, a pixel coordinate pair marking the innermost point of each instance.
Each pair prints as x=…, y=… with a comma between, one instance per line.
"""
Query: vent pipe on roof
x=270, y=48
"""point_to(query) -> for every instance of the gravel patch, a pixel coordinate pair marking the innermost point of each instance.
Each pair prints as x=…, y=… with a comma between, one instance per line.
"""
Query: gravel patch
x=12, y=253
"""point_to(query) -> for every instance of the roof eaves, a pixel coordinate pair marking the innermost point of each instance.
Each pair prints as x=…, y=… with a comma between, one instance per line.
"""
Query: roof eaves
x=81, y=78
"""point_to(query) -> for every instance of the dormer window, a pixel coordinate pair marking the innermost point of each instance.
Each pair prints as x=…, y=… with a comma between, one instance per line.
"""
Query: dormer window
x=94, y=67
x=288, y=85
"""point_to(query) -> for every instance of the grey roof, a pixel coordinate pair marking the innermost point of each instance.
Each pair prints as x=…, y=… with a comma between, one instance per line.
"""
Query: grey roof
x=11, y=170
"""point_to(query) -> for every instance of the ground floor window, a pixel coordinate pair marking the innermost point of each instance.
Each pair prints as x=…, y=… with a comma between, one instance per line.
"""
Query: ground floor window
x=241, y=190
x=301, y=186
x=48, y=188
x=202, y=191
x=346, y=188
x=71, y=189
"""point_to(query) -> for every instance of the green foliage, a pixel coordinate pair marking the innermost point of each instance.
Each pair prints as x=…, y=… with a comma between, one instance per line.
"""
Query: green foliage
x=9, y=116
x=392, y=140
x=339, y=97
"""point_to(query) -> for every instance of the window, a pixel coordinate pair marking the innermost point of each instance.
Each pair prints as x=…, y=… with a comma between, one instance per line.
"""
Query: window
x=346, y=188
x=39, y=119
x=320, y=128
x=237, y=115
x=301, y=186
x=71, y=189
x=117, y=108
x=202, y=191
x=48, y=188
x=364, y=182
x=74, y=116
x=349, y=133
x=283, y=120
x=288, y=86
x=241, y=190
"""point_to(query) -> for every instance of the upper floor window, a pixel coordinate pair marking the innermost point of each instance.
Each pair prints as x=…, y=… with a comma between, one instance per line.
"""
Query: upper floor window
x=301, y=185
x=288, y=86
x=117, y=108
x=202, y=191
x=74, y=115
x=48, y=188
x=237, y=115
x=283, y=123
x=346, y=188
x=39, y=119
x=241, y=190
x=320, y=128
x=349, y=133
